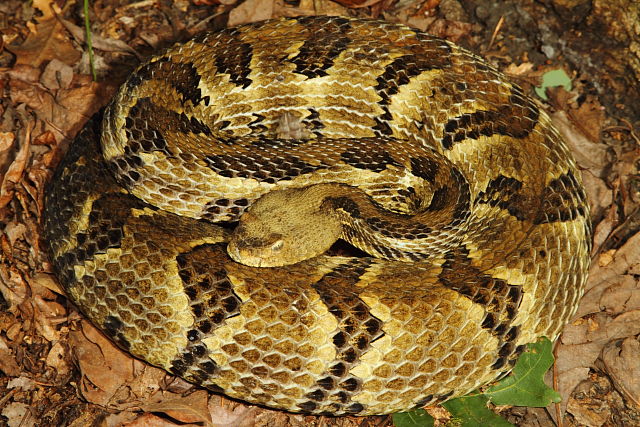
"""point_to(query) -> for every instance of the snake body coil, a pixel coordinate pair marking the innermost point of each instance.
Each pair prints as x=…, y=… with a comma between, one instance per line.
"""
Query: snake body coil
x=410, y=148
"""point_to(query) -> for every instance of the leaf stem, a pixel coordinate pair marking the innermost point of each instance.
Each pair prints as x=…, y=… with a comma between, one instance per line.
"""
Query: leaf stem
x=87, y=27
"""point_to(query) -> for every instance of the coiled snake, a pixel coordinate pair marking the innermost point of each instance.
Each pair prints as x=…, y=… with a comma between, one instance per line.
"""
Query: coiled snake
x=464, y=201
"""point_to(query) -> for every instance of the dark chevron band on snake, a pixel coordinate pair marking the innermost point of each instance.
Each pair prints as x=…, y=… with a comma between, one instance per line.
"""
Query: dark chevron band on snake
x=465, y=210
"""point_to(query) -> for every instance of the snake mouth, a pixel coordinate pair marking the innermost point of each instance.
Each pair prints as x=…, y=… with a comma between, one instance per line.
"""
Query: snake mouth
x=256, y=251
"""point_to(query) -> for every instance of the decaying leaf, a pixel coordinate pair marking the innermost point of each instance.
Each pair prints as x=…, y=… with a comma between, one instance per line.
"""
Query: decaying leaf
x=47, y=41
x=621, y=361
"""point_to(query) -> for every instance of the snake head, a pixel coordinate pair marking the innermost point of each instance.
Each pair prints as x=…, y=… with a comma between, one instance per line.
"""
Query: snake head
x=282, y=228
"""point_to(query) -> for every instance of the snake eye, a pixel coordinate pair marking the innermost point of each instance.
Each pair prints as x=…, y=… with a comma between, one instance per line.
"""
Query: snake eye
x=277, y=245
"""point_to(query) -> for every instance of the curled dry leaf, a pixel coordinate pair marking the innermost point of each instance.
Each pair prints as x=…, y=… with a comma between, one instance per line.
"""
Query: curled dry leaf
x=603, y=230
x=57, y=360
x=22, y=383
x=600, y=199
x=357, y=3
x=13, y=175
x=75, y=105
x=56, y=75
x=589, y=155
x=450, y=30
x=186, y=409
x=628, y=169
x=64, y=110
x=422, y=21
x=224, y=416
x=251, y=11
x=45, y=138
x=621, y=361
x=8, y=363
x=45, y=314
x=14, y=231
x=312, y=7
x=24, y=73
x=589, y=117
x=6, y=144
x=15, y=413
x=13, y=287
x=46, y=281
x=151, y=420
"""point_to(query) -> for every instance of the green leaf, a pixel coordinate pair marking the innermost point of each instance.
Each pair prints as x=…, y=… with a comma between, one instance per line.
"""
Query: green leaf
x=551, y=79
x=417, y=418
x=525, y=385
x=472, y=411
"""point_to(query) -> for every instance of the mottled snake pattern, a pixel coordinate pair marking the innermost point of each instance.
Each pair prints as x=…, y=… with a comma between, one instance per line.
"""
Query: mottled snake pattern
x=466, y=211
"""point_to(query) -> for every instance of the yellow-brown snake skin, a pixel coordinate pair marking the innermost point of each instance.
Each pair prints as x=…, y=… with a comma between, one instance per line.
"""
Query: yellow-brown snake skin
x=464, y=201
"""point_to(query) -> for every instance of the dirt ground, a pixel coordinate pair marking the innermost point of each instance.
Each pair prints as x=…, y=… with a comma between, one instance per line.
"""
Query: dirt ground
x=57, y=370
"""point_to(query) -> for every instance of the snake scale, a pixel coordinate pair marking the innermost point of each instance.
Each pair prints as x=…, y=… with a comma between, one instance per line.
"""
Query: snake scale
x=467, y=223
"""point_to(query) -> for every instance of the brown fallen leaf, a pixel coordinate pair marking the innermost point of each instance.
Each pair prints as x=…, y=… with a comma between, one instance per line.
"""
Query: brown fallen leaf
x=422, y=22
x=151, y=420
x=590, y=118
x=621, y=360
x=64, y=111
x=6, y=149
x=46, y=281
x=251, y=11
x=57, y=361
x=608, y=312
x=8, y=364
x=21, y=382
x=311, y=7
x=97, y=41
x=16, y=413
x=56, y=75
x=45, y=138
x=14, y=230
x=603, y=230
x=49, y=40
x=587, y=115
x=14, y=173
x=450, y=30
x=14, y=290
x=353, y=4
x=186, y=409
x=45, y=314
x=628, y=169
x=224, y=416
x=104, y=367
x=23, y=72
x=75, y=105
x=589, y=155
x=111, y=377
x=582, y=343
x=625, y=260
x=211, y=2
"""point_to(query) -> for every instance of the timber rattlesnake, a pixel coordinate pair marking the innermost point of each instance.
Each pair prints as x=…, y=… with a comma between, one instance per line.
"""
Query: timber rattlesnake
x=453, y=181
